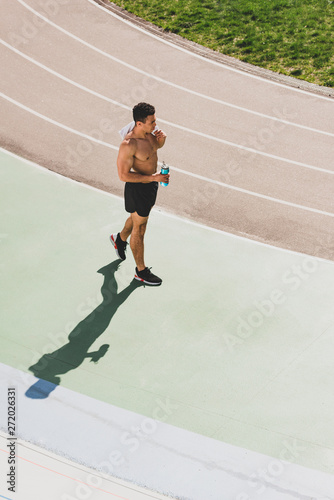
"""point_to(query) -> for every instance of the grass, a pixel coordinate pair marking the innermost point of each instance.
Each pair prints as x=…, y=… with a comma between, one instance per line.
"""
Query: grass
x=292, y=37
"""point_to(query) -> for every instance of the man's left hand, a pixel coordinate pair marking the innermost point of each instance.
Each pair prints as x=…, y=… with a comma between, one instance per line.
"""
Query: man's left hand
x=160, y=134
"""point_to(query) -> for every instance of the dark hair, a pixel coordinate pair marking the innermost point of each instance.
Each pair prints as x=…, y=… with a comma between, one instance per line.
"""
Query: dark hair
x=141, y=111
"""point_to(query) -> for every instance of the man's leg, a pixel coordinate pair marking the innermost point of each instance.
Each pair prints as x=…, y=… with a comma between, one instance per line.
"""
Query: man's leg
x=137, y=239
x=143, y=273
x=127, y=229
x=119, y=239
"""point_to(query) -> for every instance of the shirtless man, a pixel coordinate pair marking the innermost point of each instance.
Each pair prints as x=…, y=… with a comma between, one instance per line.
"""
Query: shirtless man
x=137, y=166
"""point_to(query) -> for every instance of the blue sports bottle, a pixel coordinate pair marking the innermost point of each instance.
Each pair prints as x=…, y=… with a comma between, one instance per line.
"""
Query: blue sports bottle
x=164, y=170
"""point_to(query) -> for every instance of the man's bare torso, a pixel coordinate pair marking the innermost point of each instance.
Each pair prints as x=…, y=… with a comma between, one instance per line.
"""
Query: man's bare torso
x=145, y=159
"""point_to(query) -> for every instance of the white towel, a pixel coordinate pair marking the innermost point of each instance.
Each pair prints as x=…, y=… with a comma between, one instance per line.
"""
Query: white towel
x=125, y=130
x=130, y=126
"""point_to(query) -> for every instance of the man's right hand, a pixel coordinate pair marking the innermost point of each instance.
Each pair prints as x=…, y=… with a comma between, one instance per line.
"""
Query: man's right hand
x=158, y=177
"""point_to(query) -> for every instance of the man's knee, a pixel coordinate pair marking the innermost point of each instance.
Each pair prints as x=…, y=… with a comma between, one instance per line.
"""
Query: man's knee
x=138, y=221
x=141, y=228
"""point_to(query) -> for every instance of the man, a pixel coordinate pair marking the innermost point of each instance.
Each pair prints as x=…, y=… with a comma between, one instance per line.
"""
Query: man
x=137, y=166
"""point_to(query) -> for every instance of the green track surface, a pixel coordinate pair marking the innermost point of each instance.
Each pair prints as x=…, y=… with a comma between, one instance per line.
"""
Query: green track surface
x=237, y=343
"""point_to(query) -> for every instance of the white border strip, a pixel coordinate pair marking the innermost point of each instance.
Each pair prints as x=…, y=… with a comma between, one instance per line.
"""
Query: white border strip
x=101, y=428
x=216, y=63
x=165, y=213
x=207, y=179
x=57, y=478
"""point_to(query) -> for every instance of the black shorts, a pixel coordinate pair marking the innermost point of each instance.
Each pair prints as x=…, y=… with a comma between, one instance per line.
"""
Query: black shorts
x=140, y=197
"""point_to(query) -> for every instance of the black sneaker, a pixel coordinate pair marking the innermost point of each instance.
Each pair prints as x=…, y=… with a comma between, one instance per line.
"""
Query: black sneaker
x=119, y=245
x=145, y=276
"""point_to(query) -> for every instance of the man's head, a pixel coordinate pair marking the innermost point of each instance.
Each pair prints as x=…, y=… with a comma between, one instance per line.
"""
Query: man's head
x=141, y=111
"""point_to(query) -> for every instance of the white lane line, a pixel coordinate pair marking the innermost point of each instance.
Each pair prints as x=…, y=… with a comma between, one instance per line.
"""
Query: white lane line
x=171, y=124
x=167, y=82
x=249, y=150
x=64, y=78
x=211, y=61
x=207, y=179
x=252, y=193
x=54, y=122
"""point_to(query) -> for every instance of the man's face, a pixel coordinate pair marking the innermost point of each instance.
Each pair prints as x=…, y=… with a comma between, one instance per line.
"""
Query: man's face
x=149, y=124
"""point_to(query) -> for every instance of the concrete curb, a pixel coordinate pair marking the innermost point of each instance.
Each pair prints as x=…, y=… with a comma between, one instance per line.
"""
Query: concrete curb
x=217, y=56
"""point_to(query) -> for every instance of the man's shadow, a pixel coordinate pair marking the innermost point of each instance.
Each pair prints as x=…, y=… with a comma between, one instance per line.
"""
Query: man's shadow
x=71, y=355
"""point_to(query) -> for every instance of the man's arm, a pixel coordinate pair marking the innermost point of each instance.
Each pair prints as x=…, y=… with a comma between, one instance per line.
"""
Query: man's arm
x=125, y=160
x=160, y=137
